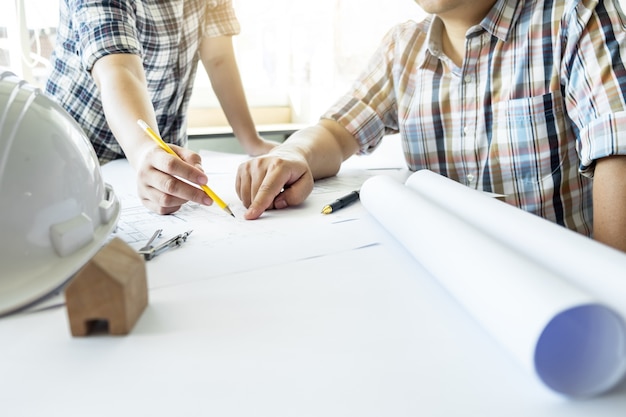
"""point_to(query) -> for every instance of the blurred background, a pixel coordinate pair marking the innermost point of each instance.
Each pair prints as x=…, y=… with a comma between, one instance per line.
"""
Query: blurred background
x=295, y=57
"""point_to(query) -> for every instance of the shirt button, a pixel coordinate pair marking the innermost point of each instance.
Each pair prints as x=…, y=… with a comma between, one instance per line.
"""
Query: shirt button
x=467, y=130
x=468, y=79
x=470, y=178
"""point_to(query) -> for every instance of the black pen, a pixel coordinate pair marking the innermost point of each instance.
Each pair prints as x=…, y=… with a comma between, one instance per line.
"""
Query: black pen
x=341, y=202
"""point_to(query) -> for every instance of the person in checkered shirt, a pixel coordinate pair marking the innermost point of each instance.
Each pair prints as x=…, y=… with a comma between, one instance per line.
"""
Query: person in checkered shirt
x=119, y=61
x=522, y=98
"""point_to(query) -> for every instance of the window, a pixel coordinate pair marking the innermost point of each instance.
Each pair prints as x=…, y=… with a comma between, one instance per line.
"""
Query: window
x=27, y=35
x=293, y=54
x=305, y=54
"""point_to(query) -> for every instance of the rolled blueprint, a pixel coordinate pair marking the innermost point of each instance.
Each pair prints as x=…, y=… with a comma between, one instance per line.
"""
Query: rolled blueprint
x=596, y=268
x=570, y=338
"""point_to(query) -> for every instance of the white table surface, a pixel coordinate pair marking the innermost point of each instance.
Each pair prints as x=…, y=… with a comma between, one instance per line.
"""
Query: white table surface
x=363, y=332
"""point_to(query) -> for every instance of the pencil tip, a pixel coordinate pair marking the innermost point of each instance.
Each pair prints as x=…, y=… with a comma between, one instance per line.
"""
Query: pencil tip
x=229, y=211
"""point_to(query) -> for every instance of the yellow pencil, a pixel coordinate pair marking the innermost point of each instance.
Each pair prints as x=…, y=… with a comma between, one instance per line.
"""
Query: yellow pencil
x=169, y=150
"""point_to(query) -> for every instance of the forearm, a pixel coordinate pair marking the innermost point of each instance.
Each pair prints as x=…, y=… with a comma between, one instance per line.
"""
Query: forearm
x=324, y=147
x=218, y=59
x=164, y=182
x=609, y=202
x=125, y=99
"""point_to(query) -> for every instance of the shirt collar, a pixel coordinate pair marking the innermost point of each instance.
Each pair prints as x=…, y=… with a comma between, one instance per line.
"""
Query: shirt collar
x=499, y=22
x=502, y=18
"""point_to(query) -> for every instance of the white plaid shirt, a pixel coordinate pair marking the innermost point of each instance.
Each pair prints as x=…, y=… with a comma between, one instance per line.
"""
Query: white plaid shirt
x=165, y=34
x=539, y=97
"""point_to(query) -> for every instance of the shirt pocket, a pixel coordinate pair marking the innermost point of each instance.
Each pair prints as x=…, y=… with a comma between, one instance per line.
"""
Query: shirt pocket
x=529, y=138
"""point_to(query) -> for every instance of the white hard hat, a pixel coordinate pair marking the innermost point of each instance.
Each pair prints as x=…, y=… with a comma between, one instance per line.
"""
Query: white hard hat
x=55, y=210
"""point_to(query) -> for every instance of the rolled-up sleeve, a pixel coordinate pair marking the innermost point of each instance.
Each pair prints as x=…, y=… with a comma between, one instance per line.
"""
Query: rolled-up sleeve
x=104, y=28
x=221, y=19
x=596, y=80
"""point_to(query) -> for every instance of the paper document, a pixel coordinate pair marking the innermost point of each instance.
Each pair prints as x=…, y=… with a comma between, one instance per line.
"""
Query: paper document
x=220, y=245
x=521, y=277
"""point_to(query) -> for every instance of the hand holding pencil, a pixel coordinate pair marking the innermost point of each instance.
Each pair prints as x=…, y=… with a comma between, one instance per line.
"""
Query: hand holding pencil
x=157, y=139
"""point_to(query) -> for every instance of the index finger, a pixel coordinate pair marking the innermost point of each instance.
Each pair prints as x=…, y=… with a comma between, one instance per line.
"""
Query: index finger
x=271, y=186
x=181, y=167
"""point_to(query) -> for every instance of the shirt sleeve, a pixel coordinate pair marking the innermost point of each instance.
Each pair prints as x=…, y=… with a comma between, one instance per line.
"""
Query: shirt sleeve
x=221, y=19
x=104, y=28
x=595, y=87
x=369, y=109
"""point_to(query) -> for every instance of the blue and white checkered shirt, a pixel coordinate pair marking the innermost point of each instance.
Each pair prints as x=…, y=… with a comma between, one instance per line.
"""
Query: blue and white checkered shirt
x=540, y=95
x=165, y=34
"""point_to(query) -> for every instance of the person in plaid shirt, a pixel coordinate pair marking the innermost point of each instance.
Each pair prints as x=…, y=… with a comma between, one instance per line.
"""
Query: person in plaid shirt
x=119, y=61
x=517, y=97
